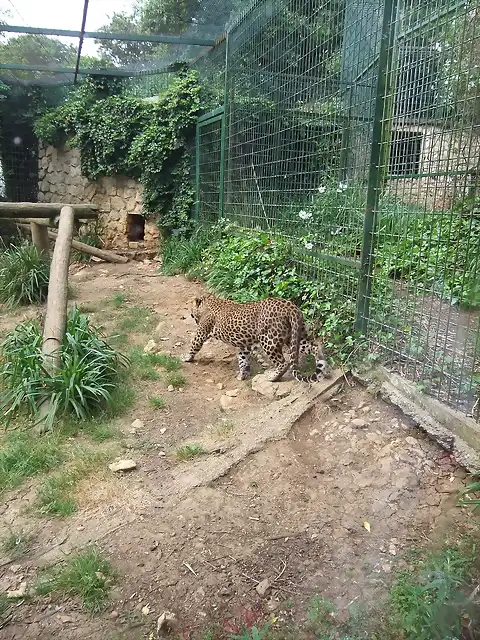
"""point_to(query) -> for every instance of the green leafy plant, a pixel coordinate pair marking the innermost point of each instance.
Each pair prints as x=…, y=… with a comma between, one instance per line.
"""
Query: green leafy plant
x=24, y=275
x=87, y=576
x=89, y=373
x=123, y=135
x=427, y=602
x=88, y=238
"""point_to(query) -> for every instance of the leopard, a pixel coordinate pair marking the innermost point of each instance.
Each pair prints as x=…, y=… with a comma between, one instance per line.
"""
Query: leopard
x=265, y=326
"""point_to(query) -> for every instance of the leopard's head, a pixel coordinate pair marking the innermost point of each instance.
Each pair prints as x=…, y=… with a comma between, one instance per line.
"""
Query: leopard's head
x=197, y=308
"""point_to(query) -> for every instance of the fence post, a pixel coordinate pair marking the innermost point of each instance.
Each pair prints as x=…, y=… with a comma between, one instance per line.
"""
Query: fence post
x=223, y=140
x=375, y=170
x=197, y=173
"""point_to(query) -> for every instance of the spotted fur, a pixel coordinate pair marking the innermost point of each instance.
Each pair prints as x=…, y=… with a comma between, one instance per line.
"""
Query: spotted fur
x=268, y=325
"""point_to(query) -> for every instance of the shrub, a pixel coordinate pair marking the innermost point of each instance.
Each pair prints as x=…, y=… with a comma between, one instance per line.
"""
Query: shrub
x=24, y=275
x=83, y=385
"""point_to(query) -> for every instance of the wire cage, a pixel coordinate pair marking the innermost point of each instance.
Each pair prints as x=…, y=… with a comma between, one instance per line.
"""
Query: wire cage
x=350, y=127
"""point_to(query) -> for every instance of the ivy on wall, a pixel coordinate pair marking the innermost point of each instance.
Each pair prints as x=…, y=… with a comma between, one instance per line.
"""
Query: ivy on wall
x=118, y=134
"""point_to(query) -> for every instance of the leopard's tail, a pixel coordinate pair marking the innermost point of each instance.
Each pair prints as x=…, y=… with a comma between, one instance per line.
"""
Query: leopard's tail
x=321, y=367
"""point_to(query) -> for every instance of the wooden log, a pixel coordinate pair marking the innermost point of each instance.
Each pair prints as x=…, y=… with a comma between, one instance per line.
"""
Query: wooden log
x=40, y=238
x=103, y=254
x=49, y=222
x=56, y=317
x=44, y=209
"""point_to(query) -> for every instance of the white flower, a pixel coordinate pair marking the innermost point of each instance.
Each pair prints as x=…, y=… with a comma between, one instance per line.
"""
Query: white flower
x=308, y=246
x=342, y=186
x=305, y=215
x=322, y=189
x=438, y=47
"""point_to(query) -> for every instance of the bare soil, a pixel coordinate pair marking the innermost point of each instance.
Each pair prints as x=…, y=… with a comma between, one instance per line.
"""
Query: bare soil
x=329, y=509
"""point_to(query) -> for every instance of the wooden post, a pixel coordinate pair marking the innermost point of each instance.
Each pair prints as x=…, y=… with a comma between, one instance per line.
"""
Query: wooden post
x=40, y=238
x=56, y=318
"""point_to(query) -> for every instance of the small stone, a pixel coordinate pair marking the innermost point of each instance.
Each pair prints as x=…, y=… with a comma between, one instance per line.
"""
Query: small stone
x=219, y=386
x=136, y=425
x=170, y=388
x=18, y=593
x=66, y=619
x=366, y=409
x=315, y=432
x=162, y=454
x=145, y=610
x=227, y=402
x=150, y=346
x=411, y=441
x=232, y=393
x=113, y=615
x=263, y=587
x=165, y=623
x=123, y=465
x=359, y=423
x=162, y=430
x=392, y=549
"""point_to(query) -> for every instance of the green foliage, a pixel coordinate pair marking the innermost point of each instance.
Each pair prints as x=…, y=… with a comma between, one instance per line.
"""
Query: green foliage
x=189, y=452
x=439, y=251
x=24, y=275
x=124, y=135
x=255, y=633
x=83, y=385
x=24, y=456
x=183, y=254
x=255, y=265
x=88, y=238
x=87, y=576
x=427, y=602
x=157, y=402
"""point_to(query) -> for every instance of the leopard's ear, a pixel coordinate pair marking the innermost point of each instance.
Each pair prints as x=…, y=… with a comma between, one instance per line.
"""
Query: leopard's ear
x=198, y=301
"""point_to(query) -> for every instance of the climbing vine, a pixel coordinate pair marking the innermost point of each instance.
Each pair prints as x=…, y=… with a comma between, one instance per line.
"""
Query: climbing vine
x=118, y=134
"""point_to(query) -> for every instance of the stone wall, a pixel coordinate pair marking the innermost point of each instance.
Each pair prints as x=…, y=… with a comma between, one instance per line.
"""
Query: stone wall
x=119, y=199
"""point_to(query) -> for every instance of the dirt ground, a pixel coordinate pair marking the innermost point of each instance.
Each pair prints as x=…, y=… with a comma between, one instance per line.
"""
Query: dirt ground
x=329, y=509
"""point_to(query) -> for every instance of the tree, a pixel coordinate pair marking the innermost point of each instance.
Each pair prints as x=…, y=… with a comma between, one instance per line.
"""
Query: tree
x=203, y=18
x=36, y=50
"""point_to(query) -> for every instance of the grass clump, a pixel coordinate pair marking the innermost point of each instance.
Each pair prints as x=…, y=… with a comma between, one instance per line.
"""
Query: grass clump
x=145, y=366
x=24, y=275
x=182, y=254
x=189, y=452
x=224, y=429
x=56, y=494
x=83, y=386
x=16, y=544
x=137, y=319
x=23, y=455
x=427, y=602
x=87, y=576
x=157, y=402
x=175, y=379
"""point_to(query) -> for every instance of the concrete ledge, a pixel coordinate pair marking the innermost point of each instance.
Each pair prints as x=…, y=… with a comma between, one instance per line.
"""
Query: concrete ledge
x=453, y=431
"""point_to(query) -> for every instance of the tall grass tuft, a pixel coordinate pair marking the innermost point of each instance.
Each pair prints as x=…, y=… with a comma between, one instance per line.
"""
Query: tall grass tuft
x=24, y=274
x=184, y=254
x=84, y=384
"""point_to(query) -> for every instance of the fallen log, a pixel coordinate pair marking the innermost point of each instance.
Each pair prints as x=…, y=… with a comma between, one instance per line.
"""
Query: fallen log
x=103, y=254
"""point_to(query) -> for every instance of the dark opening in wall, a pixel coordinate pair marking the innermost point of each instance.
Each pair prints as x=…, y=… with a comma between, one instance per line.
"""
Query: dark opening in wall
x=135, y=227
x=405, y=151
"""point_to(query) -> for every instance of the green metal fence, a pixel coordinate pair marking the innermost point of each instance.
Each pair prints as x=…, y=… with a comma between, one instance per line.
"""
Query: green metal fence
x=352, y=127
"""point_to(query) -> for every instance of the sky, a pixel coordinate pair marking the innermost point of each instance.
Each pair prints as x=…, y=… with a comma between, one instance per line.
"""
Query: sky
x=64, y=14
